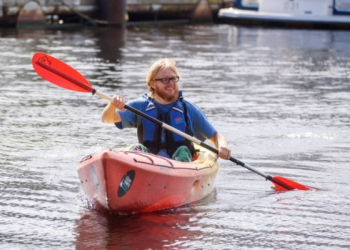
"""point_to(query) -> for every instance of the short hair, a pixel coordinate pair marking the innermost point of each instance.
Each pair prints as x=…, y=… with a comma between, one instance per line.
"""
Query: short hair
x=166, y=63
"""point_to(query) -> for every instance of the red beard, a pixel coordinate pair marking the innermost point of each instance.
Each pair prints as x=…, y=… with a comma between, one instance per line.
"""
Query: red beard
x=166, y=96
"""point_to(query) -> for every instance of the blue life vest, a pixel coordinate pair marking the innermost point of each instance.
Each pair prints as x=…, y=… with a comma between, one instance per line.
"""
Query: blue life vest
x=149, y=133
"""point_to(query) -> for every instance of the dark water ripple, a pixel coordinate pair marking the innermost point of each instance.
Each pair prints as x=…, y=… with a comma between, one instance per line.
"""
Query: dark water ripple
x=279, y=96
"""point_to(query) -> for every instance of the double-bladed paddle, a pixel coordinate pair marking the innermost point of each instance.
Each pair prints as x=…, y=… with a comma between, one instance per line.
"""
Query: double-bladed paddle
x=62, y=75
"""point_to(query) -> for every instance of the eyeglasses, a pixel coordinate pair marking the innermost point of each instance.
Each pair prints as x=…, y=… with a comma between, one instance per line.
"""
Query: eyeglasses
x=166, y=80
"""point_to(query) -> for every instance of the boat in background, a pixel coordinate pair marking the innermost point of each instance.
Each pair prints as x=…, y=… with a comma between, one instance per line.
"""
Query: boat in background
x=128, y=182
x=300, y=13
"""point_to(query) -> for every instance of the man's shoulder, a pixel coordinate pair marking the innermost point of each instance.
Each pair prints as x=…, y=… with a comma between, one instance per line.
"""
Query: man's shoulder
x=140, y=102
x=141, y=99
x=191, y=105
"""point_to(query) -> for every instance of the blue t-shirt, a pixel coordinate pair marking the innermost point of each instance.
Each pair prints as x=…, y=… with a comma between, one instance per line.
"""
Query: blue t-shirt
x=197, y=121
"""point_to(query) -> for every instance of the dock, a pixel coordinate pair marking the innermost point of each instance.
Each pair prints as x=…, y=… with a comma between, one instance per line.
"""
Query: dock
x=105, y=12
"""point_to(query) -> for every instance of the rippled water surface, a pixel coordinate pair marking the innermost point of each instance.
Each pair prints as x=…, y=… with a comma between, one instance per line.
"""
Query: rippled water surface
x=281, y=97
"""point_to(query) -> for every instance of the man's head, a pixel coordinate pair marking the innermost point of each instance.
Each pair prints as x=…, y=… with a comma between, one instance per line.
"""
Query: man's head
x=162, y=80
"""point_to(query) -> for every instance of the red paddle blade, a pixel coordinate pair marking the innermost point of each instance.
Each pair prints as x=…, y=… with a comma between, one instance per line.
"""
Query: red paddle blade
x=283, y=184
x=59, y=73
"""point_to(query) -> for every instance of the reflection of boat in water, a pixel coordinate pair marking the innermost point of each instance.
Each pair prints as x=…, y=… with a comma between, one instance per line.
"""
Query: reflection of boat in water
x=305, y=13
x=158, y=230
x=134, y=182
x=145, y=231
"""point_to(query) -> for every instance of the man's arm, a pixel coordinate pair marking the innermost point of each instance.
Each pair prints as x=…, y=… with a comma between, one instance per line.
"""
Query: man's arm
x=220, y=143
x=109, y=114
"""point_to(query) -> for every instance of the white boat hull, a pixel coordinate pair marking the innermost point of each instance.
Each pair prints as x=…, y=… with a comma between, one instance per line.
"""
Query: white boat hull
x=283, y=11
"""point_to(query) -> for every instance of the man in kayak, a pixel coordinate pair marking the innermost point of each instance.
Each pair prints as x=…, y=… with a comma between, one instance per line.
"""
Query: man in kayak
x=166, y=103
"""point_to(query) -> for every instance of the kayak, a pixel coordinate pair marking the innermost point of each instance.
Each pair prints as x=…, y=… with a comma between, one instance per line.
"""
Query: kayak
x=127, y=182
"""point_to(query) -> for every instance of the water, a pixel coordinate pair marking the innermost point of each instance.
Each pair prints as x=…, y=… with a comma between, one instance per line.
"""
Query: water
x=281, y=97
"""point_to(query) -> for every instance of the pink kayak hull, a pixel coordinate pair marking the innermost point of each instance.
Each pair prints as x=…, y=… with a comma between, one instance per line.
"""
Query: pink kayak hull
x=138, y=182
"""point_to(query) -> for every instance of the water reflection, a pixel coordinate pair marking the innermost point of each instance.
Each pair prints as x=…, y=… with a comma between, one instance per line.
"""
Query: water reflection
x=168, y=229
x=279, y=96
x=97, y=230
x=110, y=41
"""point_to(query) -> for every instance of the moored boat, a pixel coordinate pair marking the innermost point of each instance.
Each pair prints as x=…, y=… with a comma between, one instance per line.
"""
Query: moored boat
x=301, y=13
x=136, y=182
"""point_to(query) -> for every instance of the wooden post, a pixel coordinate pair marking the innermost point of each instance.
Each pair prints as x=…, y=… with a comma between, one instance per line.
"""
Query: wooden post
x=202, y=12
x=1, y=6
x=113, y=11
x=30, y=14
